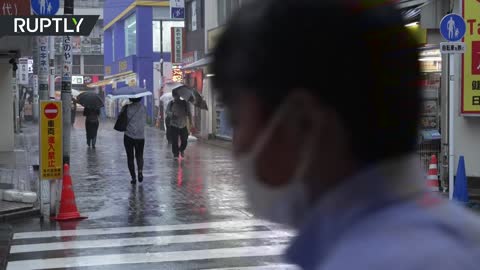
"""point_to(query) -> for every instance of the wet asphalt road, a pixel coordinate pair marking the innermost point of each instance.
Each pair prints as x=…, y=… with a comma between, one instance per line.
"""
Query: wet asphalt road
x=187, y=214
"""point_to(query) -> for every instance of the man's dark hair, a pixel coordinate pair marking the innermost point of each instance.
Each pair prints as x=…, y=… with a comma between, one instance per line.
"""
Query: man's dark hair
x=357, y=58
x=175, y=93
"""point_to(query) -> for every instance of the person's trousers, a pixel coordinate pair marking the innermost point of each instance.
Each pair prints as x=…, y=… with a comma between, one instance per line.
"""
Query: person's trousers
x=181, y=133
x=92, y=129
x=134, y=149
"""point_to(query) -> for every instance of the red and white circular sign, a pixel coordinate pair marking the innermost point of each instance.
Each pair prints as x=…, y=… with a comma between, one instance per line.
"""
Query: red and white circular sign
x=51, y=110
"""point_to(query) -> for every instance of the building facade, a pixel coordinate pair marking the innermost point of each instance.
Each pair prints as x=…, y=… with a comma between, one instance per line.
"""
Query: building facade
x=137, y=37
x=204, y=24
x=87, y=59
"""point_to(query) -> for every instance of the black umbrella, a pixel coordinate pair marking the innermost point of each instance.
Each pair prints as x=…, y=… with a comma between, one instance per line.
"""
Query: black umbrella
x=90, y=100
x=191, y=95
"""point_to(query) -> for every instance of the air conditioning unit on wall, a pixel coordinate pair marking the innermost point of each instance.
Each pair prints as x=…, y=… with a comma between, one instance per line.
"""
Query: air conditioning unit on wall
x=432, y=13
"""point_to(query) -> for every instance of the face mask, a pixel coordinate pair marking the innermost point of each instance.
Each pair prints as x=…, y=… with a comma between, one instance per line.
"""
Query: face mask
x=285, y=204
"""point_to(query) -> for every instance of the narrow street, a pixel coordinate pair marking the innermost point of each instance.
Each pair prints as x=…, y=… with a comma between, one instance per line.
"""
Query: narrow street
x=187, y=214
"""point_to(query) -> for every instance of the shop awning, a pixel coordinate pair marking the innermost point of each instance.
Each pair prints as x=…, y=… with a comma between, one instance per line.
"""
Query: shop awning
x=200, y=63
x=111, y=79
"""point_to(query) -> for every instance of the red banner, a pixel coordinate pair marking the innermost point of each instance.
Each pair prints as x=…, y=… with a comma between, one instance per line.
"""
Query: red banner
x=15, y=7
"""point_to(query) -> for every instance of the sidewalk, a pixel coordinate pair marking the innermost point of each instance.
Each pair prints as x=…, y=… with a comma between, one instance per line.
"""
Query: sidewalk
x=217, y=142
x=16, y=172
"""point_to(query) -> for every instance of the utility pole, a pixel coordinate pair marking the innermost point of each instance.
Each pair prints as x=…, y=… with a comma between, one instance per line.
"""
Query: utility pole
x=16, y=95
x=67, y=87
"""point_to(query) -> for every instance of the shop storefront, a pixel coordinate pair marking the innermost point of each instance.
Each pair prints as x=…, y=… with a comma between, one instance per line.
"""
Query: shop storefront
x=119, y=74
x=214, y=123
x=430, y=122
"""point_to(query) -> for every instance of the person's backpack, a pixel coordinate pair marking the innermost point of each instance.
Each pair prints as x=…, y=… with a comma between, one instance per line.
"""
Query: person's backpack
x=122, y=120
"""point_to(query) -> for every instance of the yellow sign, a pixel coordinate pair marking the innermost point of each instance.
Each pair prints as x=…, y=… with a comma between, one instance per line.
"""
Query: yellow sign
x=177, y=75
x=122, y=66
x=471, y=59
x=51, y=144
x=108, y=70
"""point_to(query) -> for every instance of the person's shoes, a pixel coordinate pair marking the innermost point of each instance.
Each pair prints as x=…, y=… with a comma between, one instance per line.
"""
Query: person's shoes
x=140, y=177
x=182, y=154
x=133, y=182
x=93, y=146
x=175, y=157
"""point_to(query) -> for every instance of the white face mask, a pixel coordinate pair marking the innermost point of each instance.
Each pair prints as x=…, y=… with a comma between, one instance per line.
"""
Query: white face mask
x=285, y=204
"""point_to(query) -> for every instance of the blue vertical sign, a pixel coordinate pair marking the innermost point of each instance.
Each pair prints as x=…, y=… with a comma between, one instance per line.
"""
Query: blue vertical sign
x=177, y=9
x=45, y=7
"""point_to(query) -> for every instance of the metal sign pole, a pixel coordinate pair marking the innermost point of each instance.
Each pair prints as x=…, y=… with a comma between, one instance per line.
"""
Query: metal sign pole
x=451, y=127
x=51, y=45
x=67, y=87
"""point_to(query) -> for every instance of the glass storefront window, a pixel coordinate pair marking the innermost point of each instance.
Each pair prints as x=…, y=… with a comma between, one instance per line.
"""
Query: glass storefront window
x=131, y=35
x=167, y=34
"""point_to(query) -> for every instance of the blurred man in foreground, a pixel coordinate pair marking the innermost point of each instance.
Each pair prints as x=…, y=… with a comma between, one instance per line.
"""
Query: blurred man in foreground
x=325, y=102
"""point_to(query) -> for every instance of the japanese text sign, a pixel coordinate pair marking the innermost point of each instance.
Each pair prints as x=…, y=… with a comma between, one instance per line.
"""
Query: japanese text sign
x=177, y=44
x=452, y=47
x=23, y=71
x=67, y=59
x=15, y=7
x=470, y=100
x=43, y=58
x=51, y=144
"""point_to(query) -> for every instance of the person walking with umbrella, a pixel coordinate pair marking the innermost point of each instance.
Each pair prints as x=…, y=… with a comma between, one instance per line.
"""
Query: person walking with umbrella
x=134, y=137
x=179, y=113
x=92, y=103
x=134, y=118
x=91, y=125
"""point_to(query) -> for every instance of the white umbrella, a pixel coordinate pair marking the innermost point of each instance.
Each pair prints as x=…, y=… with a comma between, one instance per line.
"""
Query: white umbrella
x=75, y=93
x=169, y=86
x=165, y=99
x=130, y=92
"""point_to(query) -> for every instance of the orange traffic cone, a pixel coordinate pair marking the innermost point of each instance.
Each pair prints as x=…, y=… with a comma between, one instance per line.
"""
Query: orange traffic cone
x=432, y=177
x=68, y=207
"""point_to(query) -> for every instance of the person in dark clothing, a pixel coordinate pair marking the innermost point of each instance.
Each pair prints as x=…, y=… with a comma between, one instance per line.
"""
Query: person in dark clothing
x=91, y=125
x=178, y=111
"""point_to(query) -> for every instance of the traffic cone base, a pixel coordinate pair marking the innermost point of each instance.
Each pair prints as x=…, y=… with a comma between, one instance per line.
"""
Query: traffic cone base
x=69, y=216
x=68, y=207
